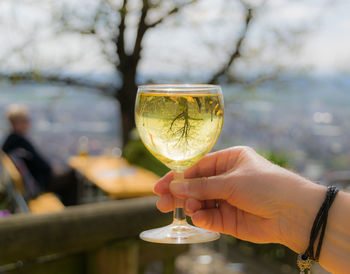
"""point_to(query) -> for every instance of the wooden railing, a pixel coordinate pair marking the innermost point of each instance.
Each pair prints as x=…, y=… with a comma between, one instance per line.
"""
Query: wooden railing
x=94, y=238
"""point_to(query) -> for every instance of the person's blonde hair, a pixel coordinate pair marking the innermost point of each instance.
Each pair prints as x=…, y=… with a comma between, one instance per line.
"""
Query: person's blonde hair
x=15, y=111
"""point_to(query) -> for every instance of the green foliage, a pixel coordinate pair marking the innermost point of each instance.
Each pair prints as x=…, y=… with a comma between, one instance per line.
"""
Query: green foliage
x=136, y=153
x=276, y=158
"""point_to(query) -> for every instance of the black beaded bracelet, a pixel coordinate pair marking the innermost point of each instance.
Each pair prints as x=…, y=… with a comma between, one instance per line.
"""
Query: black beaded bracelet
x=306, y=259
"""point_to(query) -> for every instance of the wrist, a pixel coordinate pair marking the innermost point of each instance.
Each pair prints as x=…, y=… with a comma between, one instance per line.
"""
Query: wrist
x=298, y=216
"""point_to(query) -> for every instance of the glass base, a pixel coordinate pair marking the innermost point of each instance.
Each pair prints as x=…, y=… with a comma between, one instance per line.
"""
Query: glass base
x=179, y=233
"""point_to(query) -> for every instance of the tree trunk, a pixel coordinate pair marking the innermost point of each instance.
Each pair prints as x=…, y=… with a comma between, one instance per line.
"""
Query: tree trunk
x=126, y=96
x=128, y=117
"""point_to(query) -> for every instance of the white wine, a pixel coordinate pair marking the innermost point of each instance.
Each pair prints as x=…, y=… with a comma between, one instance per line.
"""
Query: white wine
x=179, y=128
x=179, y=124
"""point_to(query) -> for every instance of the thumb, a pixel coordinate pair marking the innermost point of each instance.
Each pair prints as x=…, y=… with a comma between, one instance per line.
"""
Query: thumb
x=205, y=188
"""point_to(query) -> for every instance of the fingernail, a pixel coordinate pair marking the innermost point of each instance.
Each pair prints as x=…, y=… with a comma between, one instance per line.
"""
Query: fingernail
x=179, y=188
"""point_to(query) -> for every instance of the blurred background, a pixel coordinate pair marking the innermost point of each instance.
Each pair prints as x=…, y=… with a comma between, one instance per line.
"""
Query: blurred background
x=283, y=67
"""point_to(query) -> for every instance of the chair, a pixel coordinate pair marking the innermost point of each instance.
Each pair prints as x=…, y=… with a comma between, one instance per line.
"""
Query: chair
x=11, y=181
x=21, y=187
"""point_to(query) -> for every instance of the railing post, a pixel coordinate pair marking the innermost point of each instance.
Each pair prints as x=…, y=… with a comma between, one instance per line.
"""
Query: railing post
x=120, y=257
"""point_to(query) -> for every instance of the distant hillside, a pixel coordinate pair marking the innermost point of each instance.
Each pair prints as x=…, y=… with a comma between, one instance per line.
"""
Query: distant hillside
x=306, y=117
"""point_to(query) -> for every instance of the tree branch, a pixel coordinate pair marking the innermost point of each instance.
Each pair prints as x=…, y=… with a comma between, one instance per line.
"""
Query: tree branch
x=119, y=39
x=110, y=57
x=35, y=77
x=89, y=29
x=141, y=30
x=143, y=26
x=171, y=12
x=236, y=53
x=15, y=50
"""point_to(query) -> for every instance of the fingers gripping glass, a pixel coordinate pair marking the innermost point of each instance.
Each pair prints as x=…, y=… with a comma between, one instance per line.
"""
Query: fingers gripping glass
x=179, y=124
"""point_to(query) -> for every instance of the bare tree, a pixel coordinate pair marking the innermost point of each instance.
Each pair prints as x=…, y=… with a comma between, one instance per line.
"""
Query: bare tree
x=124, y=62
x=112, y=36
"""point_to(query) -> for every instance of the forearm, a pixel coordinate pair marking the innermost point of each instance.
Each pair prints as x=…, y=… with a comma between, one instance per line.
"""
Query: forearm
x=335, y=251
x=335, y=254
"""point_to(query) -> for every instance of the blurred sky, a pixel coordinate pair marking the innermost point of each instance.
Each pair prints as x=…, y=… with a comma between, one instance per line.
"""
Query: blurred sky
x=197, y=41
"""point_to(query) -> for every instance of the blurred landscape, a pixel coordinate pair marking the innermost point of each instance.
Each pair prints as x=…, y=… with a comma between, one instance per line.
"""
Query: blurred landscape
x=304, y=118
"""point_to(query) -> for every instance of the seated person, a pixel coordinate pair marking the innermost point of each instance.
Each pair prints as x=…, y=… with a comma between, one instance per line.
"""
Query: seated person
x=64, y=185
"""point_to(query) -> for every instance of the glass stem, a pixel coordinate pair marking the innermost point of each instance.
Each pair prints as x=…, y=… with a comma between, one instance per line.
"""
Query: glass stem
x=179, y=213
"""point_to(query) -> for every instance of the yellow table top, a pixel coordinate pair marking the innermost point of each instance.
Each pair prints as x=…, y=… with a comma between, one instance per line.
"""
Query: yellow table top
x=45, y=203
x=115, y=176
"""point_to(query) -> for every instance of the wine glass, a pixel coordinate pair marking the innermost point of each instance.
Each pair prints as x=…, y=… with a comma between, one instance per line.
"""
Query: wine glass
x=179, y=124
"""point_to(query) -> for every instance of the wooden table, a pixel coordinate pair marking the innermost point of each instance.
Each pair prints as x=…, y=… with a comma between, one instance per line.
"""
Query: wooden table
x=115, y=176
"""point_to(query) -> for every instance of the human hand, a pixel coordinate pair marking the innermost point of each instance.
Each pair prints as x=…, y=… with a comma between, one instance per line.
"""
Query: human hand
x=236, y=191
